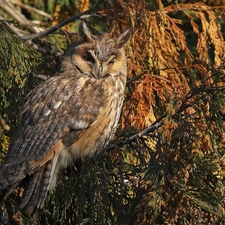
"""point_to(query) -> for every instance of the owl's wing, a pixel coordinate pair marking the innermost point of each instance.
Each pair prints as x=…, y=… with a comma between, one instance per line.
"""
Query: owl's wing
x=55, y=115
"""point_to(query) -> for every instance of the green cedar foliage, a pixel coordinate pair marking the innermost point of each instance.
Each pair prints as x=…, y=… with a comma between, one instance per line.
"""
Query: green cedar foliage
x=18, y=60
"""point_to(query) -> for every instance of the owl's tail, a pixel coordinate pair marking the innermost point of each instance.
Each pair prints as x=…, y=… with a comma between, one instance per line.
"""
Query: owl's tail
x=40, y=169
x=37, y=188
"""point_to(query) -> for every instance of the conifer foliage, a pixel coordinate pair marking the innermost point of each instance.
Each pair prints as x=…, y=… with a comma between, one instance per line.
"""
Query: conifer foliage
x=166, y=164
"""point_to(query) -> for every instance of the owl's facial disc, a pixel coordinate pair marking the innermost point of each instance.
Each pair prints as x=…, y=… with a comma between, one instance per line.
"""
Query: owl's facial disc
x=92, y=62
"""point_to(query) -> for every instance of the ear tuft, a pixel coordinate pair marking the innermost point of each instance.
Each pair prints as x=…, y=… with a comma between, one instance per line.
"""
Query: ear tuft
x=124, y=38
x=85, y=33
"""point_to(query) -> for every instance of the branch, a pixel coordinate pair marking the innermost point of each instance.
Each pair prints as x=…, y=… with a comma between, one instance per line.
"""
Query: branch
x=147, y=130
x=158, y=123
x=31, y=9
x=63, y=23
x=15, y=13
x=11, y=26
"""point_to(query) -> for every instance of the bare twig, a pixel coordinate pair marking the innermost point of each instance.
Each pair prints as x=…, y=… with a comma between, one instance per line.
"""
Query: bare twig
x=61, y=24
x=11, y=26
x=31, y=8
x=8, y=7
x=149, y=129
x=12, y=10
x=154, y=126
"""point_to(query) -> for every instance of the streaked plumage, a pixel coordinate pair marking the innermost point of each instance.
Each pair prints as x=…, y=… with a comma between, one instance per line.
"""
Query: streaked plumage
x=71, y=115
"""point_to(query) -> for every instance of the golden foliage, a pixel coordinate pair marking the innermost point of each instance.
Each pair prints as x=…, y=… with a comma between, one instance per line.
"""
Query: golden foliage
x=84, y=5
x=160, y=55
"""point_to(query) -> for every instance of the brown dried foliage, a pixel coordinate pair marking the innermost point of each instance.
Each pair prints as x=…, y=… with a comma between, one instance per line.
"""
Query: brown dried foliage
x=159, y=54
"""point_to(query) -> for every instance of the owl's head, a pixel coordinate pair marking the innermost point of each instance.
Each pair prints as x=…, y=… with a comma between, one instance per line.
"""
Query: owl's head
x=99, y=56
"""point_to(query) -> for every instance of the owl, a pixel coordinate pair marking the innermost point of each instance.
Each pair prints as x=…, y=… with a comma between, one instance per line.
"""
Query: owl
x=71, y=115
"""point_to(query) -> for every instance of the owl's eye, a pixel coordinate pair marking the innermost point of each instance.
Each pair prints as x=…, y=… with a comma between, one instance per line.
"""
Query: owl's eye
x=111, y=62
x=88, y=57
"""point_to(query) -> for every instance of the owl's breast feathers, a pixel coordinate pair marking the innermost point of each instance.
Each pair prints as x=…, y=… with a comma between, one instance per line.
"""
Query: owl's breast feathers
x=66, y=117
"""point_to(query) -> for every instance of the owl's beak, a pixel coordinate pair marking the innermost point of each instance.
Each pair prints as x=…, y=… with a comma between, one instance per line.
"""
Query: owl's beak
x=98, y=71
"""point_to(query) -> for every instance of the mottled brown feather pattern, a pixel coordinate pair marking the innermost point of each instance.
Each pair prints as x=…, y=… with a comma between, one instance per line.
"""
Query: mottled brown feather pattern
x=71, y=115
